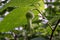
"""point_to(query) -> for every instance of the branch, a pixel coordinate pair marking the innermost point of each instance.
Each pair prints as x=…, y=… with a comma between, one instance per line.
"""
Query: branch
x=54, y=29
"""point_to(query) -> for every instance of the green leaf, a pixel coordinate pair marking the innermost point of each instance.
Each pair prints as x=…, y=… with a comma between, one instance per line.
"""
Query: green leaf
x=14, y=19
x=17, y=16
x=19, y=3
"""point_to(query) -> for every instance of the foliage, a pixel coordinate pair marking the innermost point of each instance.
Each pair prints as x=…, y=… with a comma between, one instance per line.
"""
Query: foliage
x=17, y=16
x=44, y=25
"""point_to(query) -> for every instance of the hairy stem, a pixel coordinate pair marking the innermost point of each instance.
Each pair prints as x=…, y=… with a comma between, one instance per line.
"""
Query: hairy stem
x=29, y=23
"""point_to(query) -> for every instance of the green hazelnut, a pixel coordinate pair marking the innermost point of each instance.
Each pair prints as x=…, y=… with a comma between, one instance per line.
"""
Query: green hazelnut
x=29, y=15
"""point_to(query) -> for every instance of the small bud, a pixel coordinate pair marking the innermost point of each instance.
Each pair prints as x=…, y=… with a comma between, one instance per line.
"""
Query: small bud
x=29, y=15
x=39, y=15
x=40, y=18
x=21, y=28
x=16, y=28
x=45, y=6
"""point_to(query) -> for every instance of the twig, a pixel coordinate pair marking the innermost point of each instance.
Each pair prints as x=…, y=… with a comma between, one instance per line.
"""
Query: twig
x=54, y=29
